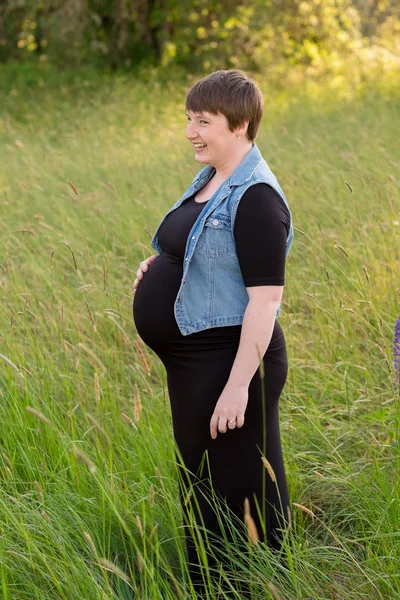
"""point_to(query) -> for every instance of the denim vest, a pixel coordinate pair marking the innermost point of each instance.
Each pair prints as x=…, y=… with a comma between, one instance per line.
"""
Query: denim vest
x=212, y=292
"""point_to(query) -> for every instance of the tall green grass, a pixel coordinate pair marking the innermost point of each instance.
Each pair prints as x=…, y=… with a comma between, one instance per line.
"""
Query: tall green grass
x=89, y=495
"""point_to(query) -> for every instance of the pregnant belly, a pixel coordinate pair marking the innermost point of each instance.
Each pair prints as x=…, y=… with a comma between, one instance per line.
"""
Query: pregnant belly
x=153, y=305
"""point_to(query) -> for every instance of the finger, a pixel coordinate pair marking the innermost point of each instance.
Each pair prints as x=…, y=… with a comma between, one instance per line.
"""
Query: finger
x=213, y=426
x=239, y=420
x=222, y=424
x=144, y=266
x=231, y=423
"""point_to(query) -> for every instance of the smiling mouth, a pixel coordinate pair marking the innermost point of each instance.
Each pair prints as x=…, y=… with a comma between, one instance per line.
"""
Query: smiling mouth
x=200, y=145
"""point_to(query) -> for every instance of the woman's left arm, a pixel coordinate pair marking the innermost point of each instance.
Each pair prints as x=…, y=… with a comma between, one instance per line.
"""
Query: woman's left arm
x=257, y=327
x=261, y=229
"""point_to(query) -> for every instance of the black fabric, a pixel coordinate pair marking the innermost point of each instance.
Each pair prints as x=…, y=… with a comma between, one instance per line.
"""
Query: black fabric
x=261, y=229
x=198, y=367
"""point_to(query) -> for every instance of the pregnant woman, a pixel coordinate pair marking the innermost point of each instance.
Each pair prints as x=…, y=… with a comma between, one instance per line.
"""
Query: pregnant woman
x=207, y=305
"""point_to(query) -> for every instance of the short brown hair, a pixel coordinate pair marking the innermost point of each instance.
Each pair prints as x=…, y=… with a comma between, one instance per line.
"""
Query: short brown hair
x=232, y=93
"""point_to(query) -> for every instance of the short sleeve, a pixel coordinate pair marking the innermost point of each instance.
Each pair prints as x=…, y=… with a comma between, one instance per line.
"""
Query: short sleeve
x=261, y=229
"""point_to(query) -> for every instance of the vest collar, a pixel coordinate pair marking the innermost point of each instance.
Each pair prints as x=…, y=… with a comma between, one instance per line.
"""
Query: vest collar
x=240, y=175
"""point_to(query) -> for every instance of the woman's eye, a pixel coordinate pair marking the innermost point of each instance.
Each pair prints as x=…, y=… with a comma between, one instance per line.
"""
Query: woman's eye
x=204, y=122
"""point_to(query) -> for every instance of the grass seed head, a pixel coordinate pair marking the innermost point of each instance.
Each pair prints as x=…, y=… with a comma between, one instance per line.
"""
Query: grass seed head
x=140, y=526
x=250, y=524
x=96, y=387
x=90, y=542
x=140, y=563
x=304, y=509
x=152, y=532
x=38, y=414
x=107, y=564
x=152, y=495
x=270, y=470
x=39, y=490
x=82, y=456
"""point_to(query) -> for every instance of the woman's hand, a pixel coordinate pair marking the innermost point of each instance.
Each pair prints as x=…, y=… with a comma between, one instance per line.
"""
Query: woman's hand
x=231, y=406
x=144, y=265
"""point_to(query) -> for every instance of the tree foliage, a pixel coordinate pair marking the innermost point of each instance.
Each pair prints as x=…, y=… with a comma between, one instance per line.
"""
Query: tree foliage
x=196, y=34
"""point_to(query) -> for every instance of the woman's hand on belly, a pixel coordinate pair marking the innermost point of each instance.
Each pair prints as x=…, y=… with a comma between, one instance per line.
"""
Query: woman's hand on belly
x=143, y=267
x=229, y=410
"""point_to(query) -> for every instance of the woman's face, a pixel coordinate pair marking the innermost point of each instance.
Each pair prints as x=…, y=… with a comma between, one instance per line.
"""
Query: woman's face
x=213, y=142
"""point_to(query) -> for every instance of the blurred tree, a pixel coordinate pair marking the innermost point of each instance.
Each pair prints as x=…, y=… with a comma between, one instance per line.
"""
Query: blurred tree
x=196, y=34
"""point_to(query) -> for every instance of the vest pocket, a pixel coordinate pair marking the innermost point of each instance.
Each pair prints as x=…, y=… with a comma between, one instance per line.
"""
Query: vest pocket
x=216, y=237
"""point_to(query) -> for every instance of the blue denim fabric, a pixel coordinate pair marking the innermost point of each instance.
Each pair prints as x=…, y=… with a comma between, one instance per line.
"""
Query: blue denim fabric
x=212, y=292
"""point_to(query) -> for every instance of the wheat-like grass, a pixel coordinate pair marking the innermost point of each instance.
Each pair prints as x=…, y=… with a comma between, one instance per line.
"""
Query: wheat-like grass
x=250, y=524
x=270, y=470
x=39, y=415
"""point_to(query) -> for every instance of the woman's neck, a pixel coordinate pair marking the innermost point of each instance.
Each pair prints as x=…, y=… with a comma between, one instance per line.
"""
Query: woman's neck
x=225, y=170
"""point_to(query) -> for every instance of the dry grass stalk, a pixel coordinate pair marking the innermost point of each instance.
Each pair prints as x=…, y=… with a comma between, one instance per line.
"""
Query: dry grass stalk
x=289, y=516
x=137, y=403
x=187, y=498
x=90, y=315
x=26, y=370
x=159, y=477
x=274, y=591
x=105, y=276
x=99, y=427
x=140, y=526
x=73, y=255
x=39, y=490
x=9, y=362
x=96, y=387
x=152, y=495
x=129, y=420
x=81, y=455
x=7, y=460
x=45, y=225
x=342, y=249
x=250, y=524
x=31, y=313
x=140, y=562
x=304, y=509
x=24, y=230
x=13, y=499
x=270, y=470
x=89, y=540
x=38, y=414
x=153, y=532
x=367, y=277
x=84, y=288
x=92, y=355
x=107, y=564
x=74, y=188
x=45, y=515
x=141, y=356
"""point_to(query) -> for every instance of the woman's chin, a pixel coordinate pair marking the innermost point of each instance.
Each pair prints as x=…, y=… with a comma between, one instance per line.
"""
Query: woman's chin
x=201, y=159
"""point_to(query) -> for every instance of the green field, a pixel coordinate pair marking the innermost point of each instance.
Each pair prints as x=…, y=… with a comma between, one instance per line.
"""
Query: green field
x=88, y=498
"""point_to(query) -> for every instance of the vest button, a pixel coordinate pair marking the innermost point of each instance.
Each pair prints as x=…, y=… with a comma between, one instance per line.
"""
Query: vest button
x=215, y=222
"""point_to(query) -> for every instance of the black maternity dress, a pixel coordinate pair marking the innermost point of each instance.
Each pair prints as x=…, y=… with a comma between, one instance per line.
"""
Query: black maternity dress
x=198, y=367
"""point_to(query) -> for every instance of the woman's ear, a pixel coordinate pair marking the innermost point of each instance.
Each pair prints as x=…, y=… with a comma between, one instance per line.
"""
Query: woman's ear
x=242, y=129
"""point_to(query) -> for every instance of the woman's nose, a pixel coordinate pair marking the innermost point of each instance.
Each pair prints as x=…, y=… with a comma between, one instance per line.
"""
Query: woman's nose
x=190, y=132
